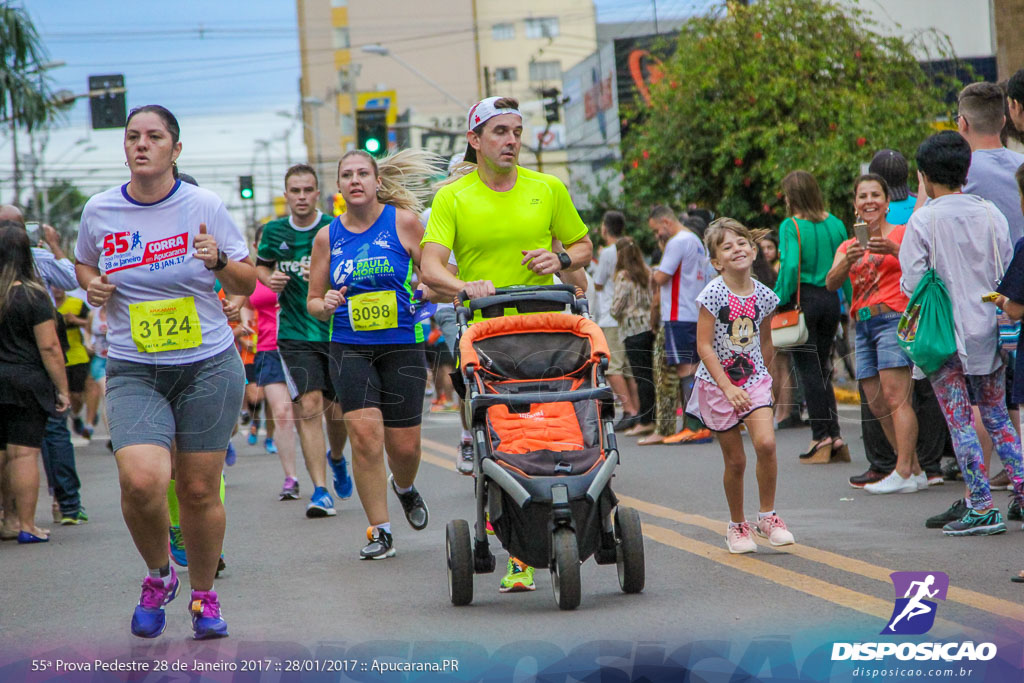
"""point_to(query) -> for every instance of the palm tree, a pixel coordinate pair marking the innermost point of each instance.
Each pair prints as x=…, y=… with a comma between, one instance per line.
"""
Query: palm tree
x=25, y=98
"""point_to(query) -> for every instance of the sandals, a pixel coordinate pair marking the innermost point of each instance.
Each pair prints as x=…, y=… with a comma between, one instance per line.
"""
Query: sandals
x=840, y=453
x=819, y=454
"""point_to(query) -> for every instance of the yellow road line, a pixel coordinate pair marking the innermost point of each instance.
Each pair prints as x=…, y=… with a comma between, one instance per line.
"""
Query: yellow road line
x=838, y=595
x=973, y=599
x=981, y=601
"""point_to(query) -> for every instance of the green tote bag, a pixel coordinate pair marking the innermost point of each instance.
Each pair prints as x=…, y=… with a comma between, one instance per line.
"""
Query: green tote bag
x=926, y=331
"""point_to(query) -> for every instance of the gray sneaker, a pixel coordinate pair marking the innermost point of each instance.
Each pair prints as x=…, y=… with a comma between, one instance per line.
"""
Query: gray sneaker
x=976, y=524
x=412, y=503
x=464, y=464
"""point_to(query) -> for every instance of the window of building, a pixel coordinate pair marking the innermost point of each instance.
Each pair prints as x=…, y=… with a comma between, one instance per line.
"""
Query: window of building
x=339, y=3
x=504, y=74
x=341, y=38
x=503, y=32
x=542, y=27
x=546, y=71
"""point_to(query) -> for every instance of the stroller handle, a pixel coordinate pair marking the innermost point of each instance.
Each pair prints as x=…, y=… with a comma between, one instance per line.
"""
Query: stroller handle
x=514, y=297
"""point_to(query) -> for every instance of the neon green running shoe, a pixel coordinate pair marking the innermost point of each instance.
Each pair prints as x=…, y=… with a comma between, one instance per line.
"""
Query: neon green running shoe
x=518, y=579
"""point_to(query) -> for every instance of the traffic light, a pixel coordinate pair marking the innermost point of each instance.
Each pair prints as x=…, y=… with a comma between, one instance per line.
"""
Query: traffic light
x=245, y=186
x=372, y=131
x=552, y=102
x=107, y=110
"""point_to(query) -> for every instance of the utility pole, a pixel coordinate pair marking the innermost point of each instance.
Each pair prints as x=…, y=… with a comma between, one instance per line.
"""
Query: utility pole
x=1008, y=17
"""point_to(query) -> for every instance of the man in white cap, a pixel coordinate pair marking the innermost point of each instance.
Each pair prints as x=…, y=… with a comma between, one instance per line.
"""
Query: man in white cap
x=504, y=224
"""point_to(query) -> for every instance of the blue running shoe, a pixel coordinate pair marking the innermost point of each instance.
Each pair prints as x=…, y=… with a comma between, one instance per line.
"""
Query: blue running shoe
x=342, y=479
x=320, y=504
x=207, y=622
x=177, y=547
x=230, y=456
x=149, y=619
x=253, y=438
x=270, y=446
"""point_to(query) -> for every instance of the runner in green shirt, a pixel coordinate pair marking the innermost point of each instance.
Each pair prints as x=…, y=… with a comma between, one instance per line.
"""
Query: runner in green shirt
x=282, y=264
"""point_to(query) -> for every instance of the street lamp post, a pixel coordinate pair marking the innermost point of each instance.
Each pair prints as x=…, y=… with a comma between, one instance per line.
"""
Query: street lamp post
x=385, y=52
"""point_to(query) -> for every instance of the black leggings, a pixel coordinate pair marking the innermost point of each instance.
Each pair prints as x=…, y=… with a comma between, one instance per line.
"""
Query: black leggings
x=640, y=352
x=813, y=360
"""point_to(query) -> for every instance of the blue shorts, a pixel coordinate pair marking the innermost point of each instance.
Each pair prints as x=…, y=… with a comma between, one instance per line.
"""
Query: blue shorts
x=877, y=348
x=98, y=367
x=268, y=369
x=680, y=342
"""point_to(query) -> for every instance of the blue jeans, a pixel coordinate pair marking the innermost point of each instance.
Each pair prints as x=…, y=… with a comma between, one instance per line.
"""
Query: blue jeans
x=59, y=463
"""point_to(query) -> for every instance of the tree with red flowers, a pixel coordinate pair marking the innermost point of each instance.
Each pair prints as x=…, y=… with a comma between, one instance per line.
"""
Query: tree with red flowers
x=777, y=86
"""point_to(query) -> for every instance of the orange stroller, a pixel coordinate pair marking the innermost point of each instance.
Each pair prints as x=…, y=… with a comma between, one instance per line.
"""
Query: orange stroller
x=541, y=414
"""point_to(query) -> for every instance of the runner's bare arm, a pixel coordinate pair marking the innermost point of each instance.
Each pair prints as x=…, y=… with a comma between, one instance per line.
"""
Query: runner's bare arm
x=437, y=276
x=581, y=252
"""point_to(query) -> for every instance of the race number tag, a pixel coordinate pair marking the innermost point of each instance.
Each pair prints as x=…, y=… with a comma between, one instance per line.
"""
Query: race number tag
x=165, y=325
x=373, y=311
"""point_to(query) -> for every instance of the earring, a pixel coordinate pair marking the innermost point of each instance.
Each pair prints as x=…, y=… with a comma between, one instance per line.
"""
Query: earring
x=126, y=164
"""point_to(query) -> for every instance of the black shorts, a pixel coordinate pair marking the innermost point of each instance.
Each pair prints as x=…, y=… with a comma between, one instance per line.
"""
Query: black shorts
x=439, y=356
x=250, y=373
x=391, y=377
x=76, y=377
x=308, y=364
x=22, y=425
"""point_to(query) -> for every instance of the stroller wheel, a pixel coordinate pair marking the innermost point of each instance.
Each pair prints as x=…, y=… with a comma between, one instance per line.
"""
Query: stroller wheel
x=629, y=550
x=459, y=555
x=565, y=569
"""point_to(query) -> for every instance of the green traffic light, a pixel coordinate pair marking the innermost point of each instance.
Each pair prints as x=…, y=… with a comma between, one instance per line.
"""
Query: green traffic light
x=372, y=145
x=246, y=194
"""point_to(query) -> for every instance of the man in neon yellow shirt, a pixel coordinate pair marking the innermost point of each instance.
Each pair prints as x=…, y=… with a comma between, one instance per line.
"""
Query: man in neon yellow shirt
x=502, y=223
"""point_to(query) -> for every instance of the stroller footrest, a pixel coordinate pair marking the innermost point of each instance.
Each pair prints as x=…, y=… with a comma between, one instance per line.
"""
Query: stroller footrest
x=481, y=402
x=506, y=481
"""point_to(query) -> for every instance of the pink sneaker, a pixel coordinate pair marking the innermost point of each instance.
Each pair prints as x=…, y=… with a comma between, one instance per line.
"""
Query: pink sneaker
x=738, y=539
x=774, y=529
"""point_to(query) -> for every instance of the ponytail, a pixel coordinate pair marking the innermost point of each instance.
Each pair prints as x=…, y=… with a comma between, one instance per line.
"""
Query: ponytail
x=404, y=177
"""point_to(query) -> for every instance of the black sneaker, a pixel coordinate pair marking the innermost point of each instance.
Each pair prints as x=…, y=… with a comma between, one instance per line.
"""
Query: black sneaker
x=77, y=425
x=464, y=464
x=950, y=469
x=1014, y=512
x=793, y=422
x=956, y=511
x=626, y=422
x=412, y=503
x=976, y=524
x=859, y=481
x=381, y=545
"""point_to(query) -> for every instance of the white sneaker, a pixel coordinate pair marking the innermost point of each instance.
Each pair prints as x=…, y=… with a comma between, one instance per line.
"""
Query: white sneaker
x=774, y=529
x=921, y=479
x=739, y=540
x=894, y=483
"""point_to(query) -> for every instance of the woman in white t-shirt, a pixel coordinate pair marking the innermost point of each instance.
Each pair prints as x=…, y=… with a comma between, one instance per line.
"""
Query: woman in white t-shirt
x=151, y=251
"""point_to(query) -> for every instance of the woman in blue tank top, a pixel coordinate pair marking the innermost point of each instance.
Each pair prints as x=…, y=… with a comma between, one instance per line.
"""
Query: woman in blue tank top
x=361, y=280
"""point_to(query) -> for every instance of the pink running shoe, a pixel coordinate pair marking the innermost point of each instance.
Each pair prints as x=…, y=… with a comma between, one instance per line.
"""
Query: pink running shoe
x=207, y=621
x=774, y=529
x=738, y=539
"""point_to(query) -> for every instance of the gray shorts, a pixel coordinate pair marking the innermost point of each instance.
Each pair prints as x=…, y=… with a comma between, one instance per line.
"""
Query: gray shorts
x=195, y=405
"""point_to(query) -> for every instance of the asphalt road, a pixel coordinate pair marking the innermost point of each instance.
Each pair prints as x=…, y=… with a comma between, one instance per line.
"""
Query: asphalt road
x=297, y=596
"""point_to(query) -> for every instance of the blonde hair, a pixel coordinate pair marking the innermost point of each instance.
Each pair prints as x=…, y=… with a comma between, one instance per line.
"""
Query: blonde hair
x=715, y=234
x=404, y=176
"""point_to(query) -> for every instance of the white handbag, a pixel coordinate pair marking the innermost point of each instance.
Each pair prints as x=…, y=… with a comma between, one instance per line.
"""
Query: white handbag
x=789, y=328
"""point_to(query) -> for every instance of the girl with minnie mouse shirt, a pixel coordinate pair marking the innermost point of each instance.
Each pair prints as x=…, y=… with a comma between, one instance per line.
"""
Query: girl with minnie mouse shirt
x=733, y=384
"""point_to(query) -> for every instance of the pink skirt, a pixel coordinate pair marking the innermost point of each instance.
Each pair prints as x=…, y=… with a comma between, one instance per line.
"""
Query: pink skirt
x=709, y=403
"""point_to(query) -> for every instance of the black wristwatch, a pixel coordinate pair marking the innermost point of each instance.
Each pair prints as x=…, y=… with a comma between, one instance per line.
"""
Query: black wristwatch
x=222, y=260
x=564, y=260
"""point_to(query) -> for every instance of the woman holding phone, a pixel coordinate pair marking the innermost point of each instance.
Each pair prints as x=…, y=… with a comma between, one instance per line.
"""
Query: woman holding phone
x=871, y=262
